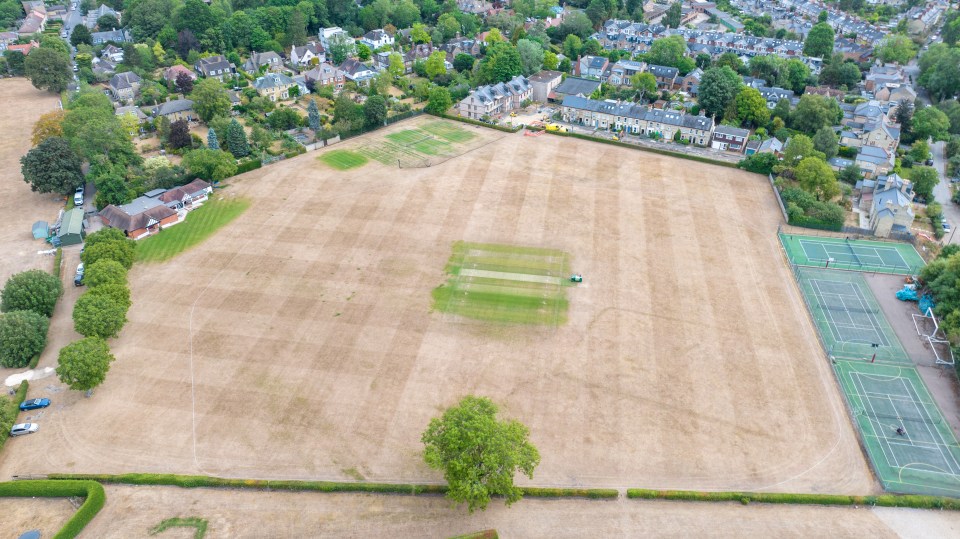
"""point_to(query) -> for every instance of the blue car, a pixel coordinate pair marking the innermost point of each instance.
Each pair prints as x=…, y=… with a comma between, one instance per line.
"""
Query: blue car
x=34, y=404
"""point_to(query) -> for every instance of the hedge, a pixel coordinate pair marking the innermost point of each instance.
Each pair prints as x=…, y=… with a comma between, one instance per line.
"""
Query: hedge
x=14, y=410
x=91, y=490
x=883, y=500
x=247, y=166
x=57, y=262
x=193, y=481
x=646, y=149
x=476, y=122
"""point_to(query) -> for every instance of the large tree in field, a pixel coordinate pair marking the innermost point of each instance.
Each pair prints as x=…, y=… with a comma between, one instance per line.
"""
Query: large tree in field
x=83, y=364
x=816, y=177
x=48, y=69
x=23, y=334
x=718, y=88
x=478, y=453
x=210, y=99
x=32, y=290
x=105, y=272
x=50, y=124
x=819, y=42
x=98, y=316
x=52, y=167
x=123, y=252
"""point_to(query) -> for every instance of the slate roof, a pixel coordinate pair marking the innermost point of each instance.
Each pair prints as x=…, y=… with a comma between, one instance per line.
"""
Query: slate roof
x=170, y=107
x=639, y=112
x=577, y=86
x=732, y=131
x=122, y=81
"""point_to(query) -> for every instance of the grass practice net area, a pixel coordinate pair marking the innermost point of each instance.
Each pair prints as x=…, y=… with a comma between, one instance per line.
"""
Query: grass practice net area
x=859, y=255
x=923, y=457
x=505, y=283
x=848, y=316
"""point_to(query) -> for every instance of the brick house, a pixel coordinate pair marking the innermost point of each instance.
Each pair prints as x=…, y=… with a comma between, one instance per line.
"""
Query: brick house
x=496, y=99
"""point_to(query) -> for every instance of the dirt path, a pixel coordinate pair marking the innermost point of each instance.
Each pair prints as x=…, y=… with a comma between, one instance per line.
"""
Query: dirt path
x=131, y=511
x=939, y=379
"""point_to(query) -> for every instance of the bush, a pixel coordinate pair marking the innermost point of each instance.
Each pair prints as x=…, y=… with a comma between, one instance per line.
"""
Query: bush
x=23, y=335
x=92, y=491
x=761, y=163
x=806, y=211
x=58, y=262
x=247, y=166
x=32, y=290
x=9, y=409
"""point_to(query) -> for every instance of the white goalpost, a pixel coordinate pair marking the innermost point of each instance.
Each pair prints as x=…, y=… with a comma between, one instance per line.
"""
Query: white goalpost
x=938, y=341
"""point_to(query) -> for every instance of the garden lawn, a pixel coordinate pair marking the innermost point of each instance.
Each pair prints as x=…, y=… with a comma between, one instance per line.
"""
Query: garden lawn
x=199, y=225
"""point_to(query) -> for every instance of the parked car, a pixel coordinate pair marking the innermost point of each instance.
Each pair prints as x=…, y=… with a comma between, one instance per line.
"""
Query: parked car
x=78, y=278
x=946, y=226
x=24, y=428
x=34, y=404
x=78, y=197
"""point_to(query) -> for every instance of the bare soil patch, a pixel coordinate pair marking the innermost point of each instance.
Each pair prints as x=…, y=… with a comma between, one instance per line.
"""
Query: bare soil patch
x=131, y=511
x=20, y=207
x=299, y=341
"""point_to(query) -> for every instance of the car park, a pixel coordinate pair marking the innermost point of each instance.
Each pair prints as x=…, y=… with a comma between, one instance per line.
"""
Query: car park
x=24, y=428
x=78, y=278
x=34, y=404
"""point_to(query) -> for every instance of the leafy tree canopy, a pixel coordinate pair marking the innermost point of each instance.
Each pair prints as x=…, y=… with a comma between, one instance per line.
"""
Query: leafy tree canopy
x=83, y=364
x=32, y=290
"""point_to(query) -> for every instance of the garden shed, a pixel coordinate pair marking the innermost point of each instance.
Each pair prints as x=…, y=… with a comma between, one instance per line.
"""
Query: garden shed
x=71, y=227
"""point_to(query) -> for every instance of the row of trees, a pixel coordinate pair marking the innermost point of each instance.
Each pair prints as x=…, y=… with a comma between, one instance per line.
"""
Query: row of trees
x=27, y=302
x=101, y=312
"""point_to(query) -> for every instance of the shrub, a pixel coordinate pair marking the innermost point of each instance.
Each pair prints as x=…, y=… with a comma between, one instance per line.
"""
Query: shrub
x=58, y=262
x=247, y=166
x=761, y=163
x=805, y=210
x=23, y=335
x=9, y=409
x=886, y=500
x=32, y=290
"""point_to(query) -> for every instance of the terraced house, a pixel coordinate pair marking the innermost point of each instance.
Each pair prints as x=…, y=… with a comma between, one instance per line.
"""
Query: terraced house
x=636, y=119
x=496, y=99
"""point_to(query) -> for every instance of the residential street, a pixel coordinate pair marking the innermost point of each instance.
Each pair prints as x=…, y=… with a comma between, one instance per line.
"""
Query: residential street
x=942, y=192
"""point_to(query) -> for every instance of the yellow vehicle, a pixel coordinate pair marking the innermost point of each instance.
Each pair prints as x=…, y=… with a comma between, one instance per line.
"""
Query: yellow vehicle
x=513, y=114
x=614, y=137
x=556, y=127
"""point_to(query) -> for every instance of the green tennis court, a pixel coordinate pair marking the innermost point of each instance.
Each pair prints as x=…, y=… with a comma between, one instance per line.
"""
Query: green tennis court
x=858, y=255
x=924, y=457
x=848, y=317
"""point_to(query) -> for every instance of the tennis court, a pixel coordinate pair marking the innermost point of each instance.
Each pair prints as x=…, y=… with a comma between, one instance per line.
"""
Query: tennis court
x=858, y=255
x=848, y=317
x=924, y=457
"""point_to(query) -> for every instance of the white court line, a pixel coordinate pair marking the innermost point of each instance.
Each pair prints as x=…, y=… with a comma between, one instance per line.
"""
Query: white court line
x=946, y=461
x=507, y=276
x=891, y=458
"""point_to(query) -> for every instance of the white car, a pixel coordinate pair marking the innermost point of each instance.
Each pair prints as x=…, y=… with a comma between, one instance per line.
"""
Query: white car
x=24, y=428
x=78, y=197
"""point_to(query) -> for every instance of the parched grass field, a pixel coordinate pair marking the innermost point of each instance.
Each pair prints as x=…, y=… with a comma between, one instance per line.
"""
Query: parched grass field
x=301, y=341
x=343, y=159
x=199, y=225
